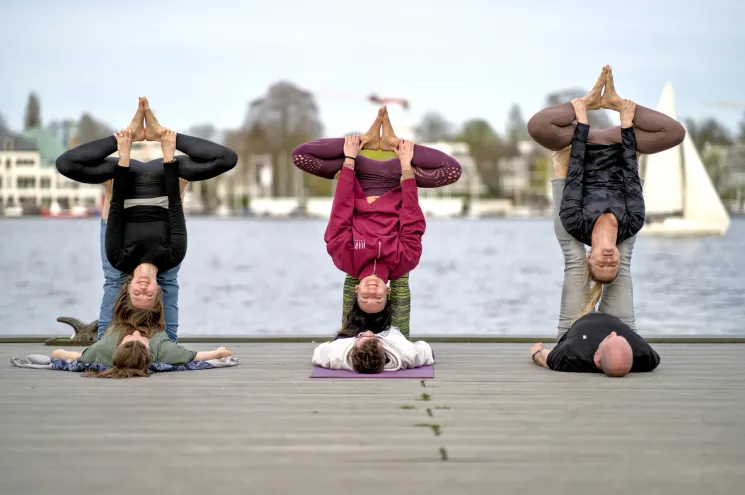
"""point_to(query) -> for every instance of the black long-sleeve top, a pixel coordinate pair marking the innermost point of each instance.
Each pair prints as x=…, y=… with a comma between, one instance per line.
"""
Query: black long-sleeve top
x=144, y=233
x=600, y=179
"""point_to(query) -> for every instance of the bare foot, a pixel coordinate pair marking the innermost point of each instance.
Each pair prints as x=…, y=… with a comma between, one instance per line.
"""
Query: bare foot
x=388, y=141
x=610, y=99
x=153, y=130
x=137, y=126
x=592, y=100
x=371, y=139
x=182, y=183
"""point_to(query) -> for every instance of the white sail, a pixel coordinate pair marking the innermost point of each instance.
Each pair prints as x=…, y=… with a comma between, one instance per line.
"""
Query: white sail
x=702, y=202
x=677, y=183
x=663, y=172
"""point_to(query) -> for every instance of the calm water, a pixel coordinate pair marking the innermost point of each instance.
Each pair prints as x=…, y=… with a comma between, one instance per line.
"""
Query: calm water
x=260, y=277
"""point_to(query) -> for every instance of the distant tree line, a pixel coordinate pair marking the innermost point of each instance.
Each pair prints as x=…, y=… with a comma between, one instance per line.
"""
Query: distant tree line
x=286, y=116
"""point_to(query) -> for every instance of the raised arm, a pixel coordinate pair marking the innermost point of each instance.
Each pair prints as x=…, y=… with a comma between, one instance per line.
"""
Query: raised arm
x=115, y=223
x=572, y=197
x=618, y=297
x=203, y=159
x=322, y=157
x=411, y=218
x=176, y=220
x=88, y=163
x=338, y=235
x=633, y=221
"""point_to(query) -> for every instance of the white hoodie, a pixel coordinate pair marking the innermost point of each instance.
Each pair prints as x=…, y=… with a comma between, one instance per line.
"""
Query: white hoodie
x=400, y=352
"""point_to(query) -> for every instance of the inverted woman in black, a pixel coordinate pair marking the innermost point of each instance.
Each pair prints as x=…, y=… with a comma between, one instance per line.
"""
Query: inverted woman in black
x=145, y=235
x=145, y=239
x=602, y=203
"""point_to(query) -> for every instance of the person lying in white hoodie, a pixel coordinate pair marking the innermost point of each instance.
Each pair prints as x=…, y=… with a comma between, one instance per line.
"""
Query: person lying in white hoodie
x=371, y=353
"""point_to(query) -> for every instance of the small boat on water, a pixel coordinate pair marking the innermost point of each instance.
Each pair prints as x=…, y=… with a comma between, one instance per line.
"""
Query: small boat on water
x=55, y=211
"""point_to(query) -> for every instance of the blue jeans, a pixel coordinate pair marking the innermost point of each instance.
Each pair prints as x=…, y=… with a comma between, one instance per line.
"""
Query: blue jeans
x=113, y=281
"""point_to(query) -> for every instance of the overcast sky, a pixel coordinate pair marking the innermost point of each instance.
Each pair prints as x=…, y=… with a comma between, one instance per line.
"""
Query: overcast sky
x=203, y=61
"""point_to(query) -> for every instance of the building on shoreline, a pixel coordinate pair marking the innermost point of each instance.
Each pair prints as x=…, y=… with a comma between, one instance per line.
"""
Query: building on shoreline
x=731, y=175
x=30, y=183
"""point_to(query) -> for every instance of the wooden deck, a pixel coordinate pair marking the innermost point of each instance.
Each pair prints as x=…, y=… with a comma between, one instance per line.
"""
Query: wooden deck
x=505, y=426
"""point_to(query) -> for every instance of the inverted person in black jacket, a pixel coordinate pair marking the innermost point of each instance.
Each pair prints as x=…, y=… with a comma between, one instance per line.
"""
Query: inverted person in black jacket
x=602, y=203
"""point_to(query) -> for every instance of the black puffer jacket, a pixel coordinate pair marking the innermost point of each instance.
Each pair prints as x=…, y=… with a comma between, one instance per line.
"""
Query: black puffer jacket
x=600, y=179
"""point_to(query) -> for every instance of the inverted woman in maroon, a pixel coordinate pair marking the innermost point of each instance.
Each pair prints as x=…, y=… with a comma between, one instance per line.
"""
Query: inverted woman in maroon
x=376, y=236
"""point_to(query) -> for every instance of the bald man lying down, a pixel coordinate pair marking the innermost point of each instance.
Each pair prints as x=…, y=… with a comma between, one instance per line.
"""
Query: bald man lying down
x=598, y=343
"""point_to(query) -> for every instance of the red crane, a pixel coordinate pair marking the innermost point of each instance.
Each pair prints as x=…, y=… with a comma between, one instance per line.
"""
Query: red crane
x=373, y=98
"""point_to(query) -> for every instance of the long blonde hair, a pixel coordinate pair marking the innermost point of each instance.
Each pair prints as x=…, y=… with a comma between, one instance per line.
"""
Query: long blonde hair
x=560, y=161
x=596, y=291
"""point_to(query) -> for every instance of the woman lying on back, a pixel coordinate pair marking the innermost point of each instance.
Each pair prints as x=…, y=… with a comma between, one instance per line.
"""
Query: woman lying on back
x=135, y=339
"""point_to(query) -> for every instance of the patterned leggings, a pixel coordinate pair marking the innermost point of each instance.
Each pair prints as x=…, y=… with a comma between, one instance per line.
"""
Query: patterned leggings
x=400, y=301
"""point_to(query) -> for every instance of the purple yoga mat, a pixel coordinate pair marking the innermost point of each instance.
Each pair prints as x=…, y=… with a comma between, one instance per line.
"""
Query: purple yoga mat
x=423, y=372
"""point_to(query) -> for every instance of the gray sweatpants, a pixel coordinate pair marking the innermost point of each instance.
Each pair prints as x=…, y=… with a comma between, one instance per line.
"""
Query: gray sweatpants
x=617, y=298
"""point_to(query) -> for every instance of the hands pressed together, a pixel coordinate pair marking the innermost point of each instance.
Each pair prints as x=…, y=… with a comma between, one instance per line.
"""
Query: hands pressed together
x=603, y=95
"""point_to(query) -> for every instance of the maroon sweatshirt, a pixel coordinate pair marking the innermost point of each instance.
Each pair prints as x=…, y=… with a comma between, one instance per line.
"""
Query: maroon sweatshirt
x=383, y=237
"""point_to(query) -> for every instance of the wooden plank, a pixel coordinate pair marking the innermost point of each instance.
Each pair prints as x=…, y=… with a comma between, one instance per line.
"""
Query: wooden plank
x=506, y=425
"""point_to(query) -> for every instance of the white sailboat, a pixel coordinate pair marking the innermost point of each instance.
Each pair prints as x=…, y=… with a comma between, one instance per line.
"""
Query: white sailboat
x=679, y=196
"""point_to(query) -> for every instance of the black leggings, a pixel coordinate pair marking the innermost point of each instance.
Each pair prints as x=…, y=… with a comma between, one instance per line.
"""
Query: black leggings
x=90, y=164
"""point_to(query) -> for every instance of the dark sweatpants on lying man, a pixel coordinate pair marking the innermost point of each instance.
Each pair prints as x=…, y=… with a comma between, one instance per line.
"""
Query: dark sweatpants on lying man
x=598, y=343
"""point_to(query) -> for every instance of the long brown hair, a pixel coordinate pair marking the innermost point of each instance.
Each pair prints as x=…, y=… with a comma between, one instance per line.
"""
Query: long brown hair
x=126, y=318
x=131, y=359
x=359, y=321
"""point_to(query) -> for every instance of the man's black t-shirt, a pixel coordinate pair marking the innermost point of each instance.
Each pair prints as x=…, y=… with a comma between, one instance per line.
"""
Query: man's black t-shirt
x=575, y=350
